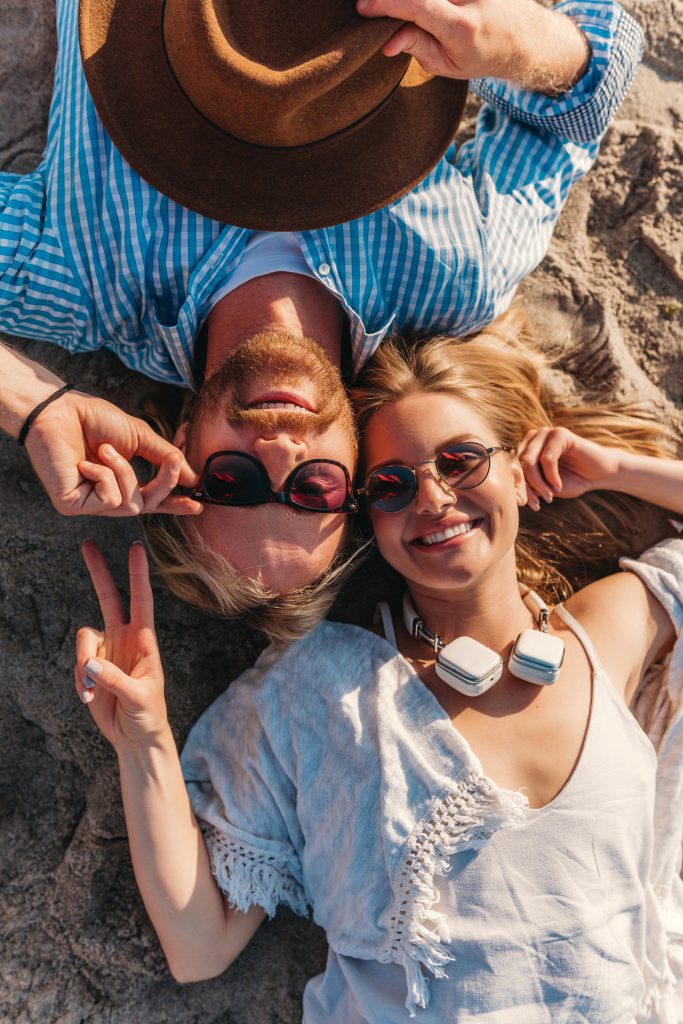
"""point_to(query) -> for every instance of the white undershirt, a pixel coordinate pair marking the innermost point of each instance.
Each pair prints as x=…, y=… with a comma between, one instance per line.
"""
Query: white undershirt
x=266, y=252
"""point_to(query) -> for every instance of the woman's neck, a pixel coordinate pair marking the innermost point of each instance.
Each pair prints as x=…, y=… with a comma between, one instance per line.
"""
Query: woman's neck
x=492, y=612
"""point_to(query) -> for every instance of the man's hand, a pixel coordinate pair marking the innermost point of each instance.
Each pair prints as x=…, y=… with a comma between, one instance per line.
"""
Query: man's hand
x=81, y=448
x=537, y=49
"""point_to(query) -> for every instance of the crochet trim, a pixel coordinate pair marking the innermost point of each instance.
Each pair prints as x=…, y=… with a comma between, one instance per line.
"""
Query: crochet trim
x=464, y=820
x=249, y=876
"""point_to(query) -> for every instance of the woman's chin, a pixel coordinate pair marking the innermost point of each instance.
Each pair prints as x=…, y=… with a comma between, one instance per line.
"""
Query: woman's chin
x=446, y=577
x=459, y=567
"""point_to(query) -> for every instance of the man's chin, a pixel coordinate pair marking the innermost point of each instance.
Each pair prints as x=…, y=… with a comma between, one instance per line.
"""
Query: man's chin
x=284, y=555
x=299, y=570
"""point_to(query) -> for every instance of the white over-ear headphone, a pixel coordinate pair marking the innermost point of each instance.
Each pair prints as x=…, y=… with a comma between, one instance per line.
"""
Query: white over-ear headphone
x=472, y=669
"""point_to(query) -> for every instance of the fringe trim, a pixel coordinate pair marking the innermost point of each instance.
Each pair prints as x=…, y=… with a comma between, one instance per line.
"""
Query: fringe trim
x=248, y=876
x=465, y=820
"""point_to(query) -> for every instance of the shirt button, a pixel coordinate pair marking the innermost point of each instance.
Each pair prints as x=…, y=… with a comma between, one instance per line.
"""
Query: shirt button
x=324, y=269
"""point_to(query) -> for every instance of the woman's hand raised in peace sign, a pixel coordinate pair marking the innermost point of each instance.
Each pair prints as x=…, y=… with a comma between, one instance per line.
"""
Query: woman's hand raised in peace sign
x=118, y=669
x=200, y=932
x=559, y=463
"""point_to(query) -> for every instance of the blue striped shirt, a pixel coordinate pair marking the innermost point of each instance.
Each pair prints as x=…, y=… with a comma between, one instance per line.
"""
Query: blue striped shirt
x=91, y=255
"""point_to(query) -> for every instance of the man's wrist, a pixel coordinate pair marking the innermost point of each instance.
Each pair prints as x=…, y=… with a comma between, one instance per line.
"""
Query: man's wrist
x=16, y=407
x=25, y=385
x=558, y=55
x=573, y=57
x=38, y=409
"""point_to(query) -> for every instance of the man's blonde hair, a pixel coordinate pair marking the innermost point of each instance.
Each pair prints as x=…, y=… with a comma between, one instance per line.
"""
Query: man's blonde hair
x=198, y=574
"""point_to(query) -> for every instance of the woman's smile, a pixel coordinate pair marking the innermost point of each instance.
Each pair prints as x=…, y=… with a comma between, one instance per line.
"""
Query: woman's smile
x=451, y=533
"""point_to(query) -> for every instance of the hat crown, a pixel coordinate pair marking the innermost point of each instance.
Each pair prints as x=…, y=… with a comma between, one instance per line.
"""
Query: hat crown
x=282, y=73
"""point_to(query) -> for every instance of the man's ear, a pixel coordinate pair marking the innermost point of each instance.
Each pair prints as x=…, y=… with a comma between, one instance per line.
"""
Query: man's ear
x=180, y=436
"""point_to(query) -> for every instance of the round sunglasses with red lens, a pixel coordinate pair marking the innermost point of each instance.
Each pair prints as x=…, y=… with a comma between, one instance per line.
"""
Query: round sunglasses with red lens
x=462, y=465
x=236, y=479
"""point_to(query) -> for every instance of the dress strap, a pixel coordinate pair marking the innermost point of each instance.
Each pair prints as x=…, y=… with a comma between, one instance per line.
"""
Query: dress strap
x=583, y=637
x=383, y=612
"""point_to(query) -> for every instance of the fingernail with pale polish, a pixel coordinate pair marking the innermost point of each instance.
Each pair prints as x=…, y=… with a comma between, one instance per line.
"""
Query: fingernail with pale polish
x=92, y=667
x=87, y=696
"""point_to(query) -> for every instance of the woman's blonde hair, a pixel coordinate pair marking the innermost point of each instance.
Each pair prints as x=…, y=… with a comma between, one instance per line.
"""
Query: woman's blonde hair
x=564, y=546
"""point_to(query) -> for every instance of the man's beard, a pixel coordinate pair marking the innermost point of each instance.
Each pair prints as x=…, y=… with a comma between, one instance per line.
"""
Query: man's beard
x=272, y=361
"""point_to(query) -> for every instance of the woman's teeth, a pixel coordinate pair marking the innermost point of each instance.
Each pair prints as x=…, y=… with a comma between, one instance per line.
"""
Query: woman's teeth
x=450, y=531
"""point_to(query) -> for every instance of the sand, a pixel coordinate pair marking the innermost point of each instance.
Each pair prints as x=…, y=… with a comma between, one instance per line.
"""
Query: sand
x=75, y=943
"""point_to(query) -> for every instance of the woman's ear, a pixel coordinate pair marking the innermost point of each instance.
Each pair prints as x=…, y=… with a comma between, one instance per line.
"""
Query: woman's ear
x=519, y=479
x=180, y=436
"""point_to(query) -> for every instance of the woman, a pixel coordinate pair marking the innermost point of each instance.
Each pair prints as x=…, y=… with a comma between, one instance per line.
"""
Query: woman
x=501, y=841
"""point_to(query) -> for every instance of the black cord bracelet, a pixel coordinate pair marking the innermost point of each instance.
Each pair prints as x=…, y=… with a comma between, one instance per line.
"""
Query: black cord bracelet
x=28, y=422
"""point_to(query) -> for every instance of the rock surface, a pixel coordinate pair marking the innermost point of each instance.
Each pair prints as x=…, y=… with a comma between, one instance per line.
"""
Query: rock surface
x=75, y=943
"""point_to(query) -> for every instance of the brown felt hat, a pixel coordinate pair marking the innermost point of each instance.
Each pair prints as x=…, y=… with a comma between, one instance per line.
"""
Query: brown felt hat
x=275, y=115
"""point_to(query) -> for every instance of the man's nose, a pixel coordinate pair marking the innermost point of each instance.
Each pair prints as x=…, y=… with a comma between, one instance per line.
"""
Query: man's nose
x=280, y=453
x=433, y=494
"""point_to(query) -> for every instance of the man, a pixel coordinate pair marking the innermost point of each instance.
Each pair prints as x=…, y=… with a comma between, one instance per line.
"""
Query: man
x=91, y=254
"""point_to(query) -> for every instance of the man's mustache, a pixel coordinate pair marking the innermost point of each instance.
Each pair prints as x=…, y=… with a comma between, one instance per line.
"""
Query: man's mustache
x=276, y=420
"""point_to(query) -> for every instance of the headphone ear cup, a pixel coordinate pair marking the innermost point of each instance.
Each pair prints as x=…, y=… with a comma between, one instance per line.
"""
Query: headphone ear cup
x=468, y=666
x=536, y=657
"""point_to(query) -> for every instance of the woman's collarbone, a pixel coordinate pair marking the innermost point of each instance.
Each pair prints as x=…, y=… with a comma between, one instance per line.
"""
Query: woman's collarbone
x=527, y=737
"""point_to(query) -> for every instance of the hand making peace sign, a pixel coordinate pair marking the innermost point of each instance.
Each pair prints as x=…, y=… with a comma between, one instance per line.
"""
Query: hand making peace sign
x=118, y=669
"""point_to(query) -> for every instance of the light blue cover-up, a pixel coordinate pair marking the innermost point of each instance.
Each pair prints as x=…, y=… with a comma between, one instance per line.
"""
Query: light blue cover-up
x=329, y=777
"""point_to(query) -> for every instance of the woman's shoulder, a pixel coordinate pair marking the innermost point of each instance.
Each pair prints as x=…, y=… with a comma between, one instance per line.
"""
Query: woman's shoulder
x=633, y=616
x=328, y=661
x=326, y=657
x=657, y=573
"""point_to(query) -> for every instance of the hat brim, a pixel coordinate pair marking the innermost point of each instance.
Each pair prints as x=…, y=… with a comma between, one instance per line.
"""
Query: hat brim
x=174, y=148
